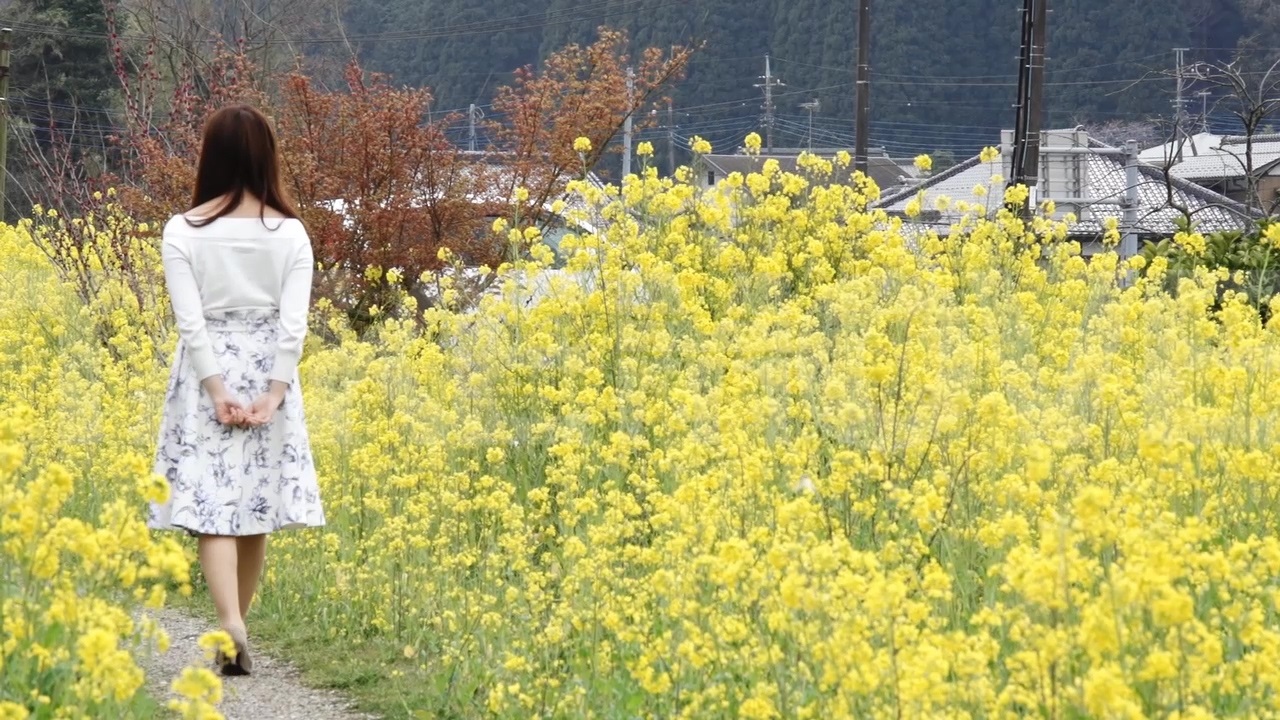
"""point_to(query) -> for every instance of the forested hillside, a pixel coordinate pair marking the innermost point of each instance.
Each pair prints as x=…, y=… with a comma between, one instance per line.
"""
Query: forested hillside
x=945, y=70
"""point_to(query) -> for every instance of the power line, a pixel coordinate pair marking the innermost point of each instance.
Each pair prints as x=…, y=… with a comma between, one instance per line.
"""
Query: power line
x=1004, y=76
x=1120, y=81
x=792, y=93
x=974, y=136
x=1259, y=49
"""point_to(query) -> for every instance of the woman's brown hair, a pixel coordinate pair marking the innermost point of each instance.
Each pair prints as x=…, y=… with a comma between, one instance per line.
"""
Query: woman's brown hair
x=238, y=156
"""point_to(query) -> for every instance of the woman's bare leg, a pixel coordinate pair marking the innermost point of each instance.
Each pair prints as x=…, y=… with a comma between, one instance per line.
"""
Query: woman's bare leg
x=252, y=552
x=219, y=562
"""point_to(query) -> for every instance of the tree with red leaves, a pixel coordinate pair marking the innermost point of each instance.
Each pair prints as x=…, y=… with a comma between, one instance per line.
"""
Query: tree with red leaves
x=579, y=92
x=378, y=182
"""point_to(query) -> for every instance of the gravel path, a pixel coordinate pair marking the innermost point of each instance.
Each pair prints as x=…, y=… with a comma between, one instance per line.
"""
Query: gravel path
x=273, y=692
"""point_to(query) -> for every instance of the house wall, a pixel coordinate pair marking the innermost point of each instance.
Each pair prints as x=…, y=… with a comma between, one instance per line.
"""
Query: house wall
x=1238, y=190
x=1269, y=191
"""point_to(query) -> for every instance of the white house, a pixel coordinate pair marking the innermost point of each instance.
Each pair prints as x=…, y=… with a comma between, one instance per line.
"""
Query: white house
x=1220, y=163
x=1084, y=177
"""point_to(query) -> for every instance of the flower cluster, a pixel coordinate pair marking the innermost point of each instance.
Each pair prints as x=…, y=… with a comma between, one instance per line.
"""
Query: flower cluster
x=760, y=451
x=76, y=558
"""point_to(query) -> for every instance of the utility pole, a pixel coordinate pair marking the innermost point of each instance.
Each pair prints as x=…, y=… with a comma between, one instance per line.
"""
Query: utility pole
x=627, y=124
x=671, y=138
x=1129, y=240
x=770, y=82
x=863, y=128
x=5, y=36
x=473, y=114
x=1021, y=100
x=1035, y=116
x=1179, y=104
x=1204, y=109
x=1030, y=101
x=812, y=107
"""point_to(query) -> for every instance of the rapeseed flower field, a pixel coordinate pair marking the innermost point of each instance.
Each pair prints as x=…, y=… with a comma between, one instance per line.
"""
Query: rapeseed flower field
x=756, y=452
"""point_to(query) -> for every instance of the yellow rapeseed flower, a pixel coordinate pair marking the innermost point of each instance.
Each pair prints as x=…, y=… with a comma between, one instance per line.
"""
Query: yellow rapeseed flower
x=200, y=691
x=757, y=708
x=914, y=207
x=155, y=489
x=1111, y=232
x=1272, y=234
x=217, y=641
x=198, y=684
x=1194, y=243
x=1016, y=195
x=759, y=430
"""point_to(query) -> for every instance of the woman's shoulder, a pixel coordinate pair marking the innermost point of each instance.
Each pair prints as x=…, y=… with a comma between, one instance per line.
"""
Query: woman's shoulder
x=176, y=228
x=193, y=223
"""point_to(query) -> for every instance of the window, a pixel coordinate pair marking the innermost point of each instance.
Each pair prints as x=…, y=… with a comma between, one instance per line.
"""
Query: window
x=711, y=177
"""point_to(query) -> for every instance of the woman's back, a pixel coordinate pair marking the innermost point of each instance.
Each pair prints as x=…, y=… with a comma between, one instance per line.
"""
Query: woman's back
x=240, y=263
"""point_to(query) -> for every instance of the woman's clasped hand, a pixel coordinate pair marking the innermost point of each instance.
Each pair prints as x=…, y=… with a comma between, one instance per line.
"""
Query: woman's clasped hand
x=231, y=411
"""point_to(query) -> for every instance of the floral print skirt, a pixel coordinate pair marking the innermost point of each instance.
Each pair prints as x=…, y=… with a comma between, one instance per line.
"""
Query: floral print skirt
x=231, y=480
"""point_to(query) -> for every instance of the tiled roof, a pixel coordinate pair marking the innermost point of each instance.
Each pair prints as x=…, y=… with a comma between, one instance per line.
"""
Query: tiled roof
x=1228, y=164
x=1192, y=146
x=956, y=182
x=1210, y=157
x=886, y=172
x=1107, y=181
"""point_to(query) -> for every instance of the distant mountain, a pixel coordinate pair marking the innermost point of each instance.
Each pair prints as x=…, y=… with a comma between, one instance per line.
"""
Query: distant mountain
x=944, y=70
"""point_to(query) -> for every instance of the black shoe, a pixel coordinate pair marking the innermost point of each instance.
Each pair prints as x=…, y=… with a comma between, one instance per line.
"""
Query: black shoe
x=242, y=663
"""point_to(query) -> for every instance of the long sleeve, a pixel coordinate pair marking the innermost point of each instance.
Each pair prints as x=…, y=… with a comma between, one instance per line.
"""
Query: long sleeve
x=295, y=302
x=188, y=310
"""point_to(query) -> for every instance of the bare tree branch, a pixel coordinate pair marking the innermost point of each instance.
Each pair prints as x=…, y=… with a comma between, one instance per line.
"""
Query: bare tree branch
x=1253, y=103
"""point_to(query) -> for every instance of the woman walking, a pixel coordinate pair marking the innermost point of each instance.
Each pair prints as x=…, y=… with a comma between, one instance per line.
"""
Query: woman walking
x=233, y=438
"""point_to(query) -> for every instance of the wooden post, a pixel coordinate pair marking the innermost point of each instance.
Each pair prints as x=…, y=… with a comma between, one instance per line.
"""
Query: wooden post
x=1035, y=115
x=863, y=129
x=1030, y=105
x=6, y=35
x=1019, y=154
x=627, y=124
